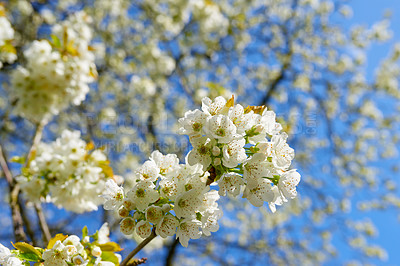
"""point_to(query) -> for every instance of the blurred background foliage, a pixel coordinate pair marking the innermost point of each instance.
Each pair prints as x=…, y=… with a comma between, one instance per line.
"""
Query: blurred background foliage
x=158, y=58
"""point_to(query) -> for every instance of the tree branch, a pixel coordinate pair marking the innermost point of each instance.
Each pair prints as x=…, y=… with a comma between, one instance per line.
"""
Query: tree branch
x=27, y=222
x=42, y=222
x=35, y=142
x=16, y=216
x=171, y=252
x=139, y=247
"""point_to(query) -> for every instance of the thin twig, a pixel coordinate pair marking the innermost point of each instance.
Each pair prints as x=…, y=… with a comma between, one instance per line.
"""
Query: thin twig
x=27, y=222
x=4, y=166
x=35, y=142
x=38, y=207
x=139, y=247
x=16, y=215
x=42, y=222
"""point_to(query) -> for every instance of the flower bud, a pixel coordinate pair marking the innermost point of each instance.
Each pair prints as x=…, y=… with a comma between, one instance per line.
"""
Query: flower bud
x=78, y=260
x=118, y=179
x=129, y=204
x=166, y=208
x=143, y=229
x=216, y=151
x=154, y=214
x=259, y=128
x=123, y=212
x=69, y=251
x=96, y=251
x=127, y=226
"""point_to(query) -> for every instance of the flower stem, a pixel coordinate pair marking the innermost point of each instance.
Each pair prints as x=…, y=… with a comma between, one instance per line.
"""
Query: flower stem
x=139, y=247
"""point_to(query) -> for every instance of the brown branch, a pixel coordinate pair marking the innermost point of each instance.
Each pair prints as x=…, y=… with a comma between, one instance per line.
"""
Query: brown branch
x=16, y=216
x=35, y=142
x=272, y=88
x=42, y=222
x=4, y=166
x=27, y=222
x=139, y=247
x=38, y=207
x=136, y=262
x=171, y=252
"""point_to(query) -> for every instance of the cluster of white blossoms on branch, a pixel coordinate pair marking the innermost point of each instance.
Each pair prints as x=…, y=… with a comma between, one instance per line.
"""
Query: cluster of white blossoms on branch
x=57, y=73
x=231, y=150
x=7, y=51
x=172, y=19
x=67, y=172
x=62, y=250
x=244, y=147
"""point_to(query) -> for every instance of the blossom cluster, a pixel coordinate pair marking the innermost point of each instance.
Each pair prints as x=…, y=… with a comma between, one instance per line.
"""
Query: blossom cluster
x=162, y=185
x=207, y=14
x=57, y=73
x=65, y=250
x=7, y=51
x=232, y=141
x=67, y=172
x=231, y=149
x=210, y=18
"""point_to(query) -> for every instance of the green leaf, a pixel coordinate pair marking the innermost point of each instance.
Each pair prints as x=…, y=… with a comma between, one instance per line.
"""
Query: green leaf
x=198, y=216
x=95, y=236
x=110, y=246
x=27, y=248
x=216, y=87
x=70, y=49
x=29, y=257
x=52, y=241
x=162, y=201
x=109, y=256
x=18, y=159
x=56, y=41
x=85, y=232
x=25, y=171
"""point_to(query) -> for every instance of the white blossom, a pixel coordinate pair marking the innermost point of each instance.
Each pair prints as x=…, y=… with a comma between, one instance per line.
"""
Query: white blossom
x=282, y=154
x=287, y=184
x=221, y=128
x=193, y=123
x=188, y=229
x=127, y=225
x=167, y=226
x=143, y=194
x=114, y=195
x=231, y=183
x=154, y=214
x=258, y=191
x=234, y=153
x=187, y=203
x=143, y=229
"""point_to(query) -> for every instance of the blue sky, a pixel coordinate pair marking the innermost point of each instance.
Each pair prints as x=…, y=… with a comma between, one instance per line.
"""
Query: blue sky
x=366, y=12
